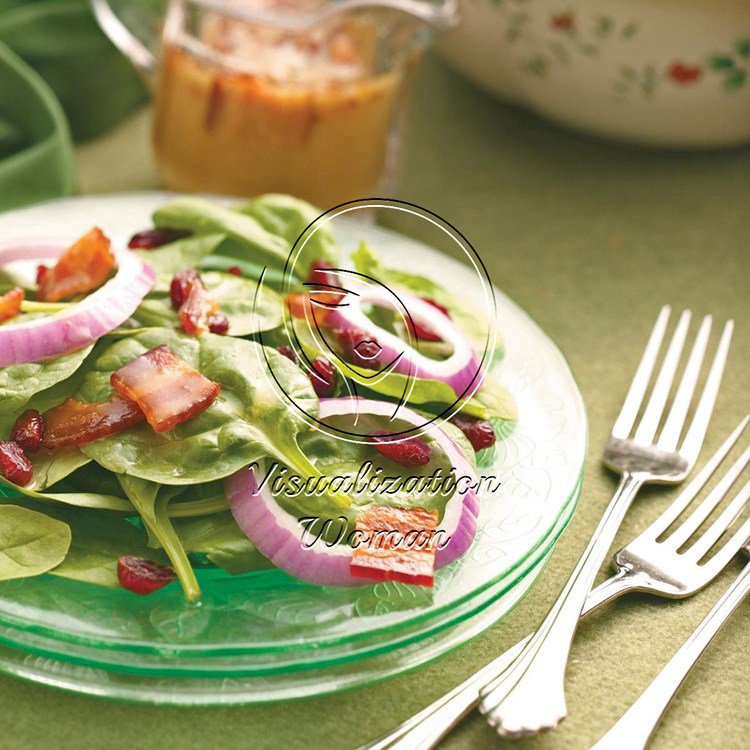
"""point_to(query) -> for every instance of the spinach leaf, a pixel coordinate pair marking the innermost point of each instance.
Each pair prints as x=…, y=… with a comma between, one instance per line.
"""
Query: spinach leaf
x=288, y=217
x=247, y=421
x=222, y=541
x=99, y=539
x=31, y=543
x=179, y=255
x=255, y=244
x=151, y=500
x=472, y=323
x=75, y=498
x=236, y=299
x=19, y=383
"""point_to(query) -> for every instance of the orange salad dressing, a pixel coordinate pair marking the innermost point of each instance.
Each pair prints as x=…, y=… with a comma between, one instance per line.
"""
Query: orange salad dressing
x=310, y=119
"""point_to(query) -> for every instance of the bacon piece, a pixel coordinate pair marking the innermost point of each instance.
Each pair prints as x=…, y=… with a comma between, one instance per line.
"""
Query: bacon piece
x=396, y=544
x=10, y=303
x=75, y=423
x=167, y=390
x=197, y=310
x=83, y=267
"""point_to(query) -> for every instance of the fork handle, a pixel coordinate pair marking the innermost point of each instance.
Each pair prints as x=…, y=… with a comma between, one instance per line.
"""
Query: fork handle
x=637, y=724
x=425, y=729
x=530, y=695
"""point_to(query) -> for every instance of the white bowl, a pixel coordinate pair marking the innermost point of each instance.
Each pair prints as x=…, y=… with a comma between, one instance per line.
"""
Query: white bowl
x=659, y=72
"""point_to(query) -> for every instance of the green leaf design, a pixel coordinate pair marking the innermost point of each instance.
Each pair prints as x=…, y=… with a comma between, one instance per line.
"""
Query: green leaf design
x=248, y=420
x=236, y=299
x=31, y=543
x=735, y=79
x=721, y=62
x=743, y=47
x=629, y=30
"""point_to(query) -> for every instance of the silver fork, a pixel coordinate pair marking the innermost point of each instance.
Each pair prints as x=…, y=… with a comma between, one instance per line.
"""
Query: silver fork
x=633, y=730
x=529, y=696
x=645, y=564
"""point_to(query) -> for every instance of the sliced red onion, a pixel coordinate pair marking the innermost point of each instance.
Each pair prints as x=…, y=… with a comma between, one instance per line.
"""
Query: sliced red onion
x=81, y=324
x=278, y=535
x=461, y=371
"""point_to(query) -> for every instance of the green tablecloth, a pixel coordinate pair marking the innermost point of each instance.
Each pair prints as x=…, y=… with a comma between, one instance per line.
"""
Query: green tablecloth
x=591, y=239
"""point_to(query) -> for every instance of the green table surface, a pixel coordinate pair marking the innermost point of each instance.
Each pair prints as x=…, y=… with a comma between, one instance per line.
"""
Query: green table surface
x=590, y=238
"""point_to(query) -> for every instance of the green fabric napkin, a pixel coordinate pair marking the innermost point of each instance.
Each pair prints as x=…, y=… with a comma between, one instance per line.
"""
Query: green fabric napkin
x=36, y=154
x=95, y=84
x=59, y=75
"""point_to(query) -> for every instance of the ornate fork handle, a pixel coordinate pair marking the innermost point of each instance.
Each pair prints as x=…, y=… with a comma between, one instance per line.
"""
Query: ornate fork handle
x=635, y=727
x=530, y=695
x=424, y=730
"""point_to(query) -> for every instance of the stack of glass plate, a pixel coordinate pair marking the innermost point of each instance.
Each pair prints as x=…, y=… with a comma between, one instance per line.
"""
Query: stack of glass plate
x=264, y=636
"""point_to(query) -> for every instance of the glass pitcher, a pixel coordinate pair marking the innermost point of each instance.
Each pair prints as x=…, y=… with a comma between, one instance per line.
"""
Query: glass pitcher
x=296, y=96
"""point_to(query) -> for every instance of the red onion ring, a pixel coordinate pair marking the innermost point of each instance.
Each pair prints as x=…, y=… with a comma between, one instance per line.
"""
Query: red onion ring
x=277, y=534
x=461, y=371
x=81, y=324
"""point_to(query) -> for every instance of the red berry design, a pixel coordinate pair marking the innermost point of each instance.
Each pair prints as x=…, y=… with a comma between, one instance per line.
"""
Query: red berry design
x=410, y=452
x=479, y=431
x=324, y=377
x=181, y=285
x=153, y=238
x=235, y=270
x=218, y=323
x=143, y=576
x=288, y=352
x=28, y=431
x=563, y=22
x=684, y=74
x=14, y=465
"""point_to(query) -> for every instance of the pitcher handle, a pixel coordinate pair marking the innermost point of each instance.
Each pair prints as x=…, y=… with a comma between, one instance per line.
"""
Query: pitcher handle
x=142, y=58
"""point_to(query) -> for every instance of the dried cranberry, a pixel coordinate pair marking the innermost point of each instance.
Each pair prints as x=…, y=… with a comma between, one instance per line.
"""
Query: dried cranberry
x=153, y=238
x=413, y=451
x=235, y=270
x=358, y=347
x=143, y=576
x=14, y=465
x=288, y=352
x=28, y=431
x=478, y=431
x=423, y=332
x=41, y=272
x=318, y=275
x=181, y=285
x=324, y=377
x=218, y=323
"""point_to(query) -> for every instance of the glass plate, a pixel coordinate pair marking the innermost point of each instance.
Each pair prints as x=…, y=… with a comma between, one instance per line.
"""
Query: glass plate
x=269, y=623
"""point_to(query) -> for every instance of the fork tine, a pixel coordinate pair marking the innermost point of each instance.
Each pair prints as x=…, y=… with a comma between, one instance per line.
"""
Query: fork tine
x=675, y=510
x=670, y=433
x=721, y=558
x=728, y=516
x=632, y=403
x=693, y=441
x=647, y=428
x=703, y=511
